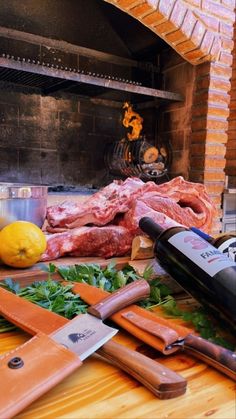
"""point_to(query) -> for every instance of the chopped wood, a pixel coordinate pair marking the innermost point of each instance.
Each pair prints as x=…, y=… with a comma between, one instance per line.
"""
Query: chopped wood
x=142, y=248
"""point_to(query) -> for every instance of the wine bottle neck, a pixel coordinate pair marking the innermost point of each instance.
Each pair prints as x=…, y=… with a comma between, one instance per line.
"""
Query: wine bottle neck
x=151, y=228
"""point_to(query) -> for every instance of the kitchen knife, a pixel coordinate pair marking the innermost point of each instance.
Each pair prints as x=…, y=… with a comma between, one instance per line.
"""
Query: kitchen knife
x=220, y=358
x=43, y=361
x=162, y=334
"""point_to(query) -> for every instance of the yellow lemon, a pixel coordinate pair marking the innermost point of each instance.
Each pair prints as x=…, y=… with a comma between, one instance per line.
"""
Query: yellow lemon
x=21, y=244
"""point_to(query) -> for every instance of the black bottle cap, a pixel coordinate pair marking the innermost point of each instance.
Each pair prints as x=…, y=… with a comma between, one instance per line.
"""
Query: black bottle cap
x=150, y=227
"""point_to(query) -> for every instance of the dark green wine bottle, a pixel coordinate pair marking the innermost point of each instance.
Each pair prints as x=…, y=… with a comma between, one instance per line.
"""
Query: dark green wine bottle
x=200, y=268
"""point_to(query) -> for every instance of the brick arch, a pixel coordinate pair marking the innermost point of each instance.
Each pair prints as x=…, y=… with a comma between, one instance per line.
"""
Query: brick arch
x=182, y=24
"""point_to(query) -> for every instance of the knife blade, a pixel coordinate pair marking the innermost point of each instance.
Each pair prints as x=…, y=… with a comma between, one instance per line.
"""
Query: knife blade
x=86, y=332
x=84, y=335
x=164, y=335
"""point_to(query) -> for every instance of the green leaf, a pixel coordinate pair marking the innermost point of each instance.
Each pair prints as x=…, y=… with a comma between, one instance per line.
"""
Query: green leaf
x=155, y=295
x=164, y=290
x=119, y=281
x=148, y=272
x=52, y=268
x=171, y=308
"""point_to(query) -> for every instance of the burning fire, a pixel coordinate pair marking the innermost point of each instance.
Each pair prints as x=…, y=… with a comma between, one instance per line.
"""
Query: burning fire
x=134, y=120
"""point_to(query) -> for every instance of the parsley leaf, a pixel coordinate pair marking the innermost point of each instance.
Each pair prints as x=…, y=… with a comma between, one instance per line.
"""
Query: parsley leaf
x=51, y=295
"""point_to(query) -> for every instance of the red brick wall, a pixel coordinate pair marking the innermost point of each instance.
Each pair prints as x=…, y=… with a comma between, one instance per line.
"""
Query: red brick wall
x=230, y=169
x=196, y=29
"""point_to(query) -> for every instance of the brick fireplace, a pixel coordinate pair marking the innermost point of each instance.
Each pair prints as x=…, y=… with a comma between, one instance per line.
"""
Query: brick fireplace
x=60, y=138
x=202, y=32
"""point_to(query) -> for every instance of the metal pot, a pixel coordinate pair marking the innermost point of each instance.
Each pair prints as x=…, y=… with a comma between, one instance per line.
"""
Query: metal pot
x=22, y=202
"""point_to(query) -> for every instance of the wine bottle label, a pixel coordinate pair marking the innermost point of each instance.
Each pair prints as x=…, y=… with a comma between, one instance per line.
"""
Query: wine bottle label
x=202, y=253
x=228, y=247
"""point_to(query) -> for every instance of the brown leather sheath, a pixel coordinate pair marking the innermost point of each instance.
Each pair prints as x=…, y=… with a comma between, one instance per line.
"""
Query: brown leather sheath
x=45, y=363
x=163, y=335
x=135, y=320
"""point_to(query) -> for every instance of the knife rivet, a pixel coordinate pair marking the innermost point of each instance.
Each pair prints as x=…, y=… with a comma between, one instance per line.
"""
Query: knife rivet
x=16, y=362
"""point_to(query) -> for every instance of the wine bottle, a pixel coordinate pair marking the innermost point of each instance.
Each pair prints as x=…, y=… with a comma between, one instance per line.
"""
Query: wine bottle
x=226, y=243
x=201, y=269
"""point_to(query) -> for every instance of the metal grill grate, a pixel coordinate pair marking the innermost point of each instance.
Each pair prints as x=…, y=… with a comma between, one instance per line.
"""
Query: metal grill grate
x=50, y=78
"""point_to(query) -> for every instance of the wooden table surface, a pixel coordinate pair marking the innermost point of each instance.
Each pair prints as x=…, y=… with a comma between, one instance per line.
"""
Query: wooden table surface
x=98, y=390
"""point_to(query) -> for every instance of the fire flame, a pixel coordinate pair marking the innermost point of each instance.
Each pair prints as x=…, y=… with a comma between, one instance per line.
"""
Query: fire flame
x=134, y=120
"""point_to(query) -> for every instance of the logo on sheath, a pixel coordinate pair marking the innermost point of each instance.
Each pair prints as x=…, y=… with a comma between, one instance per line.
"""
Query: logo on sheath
x=76, y=337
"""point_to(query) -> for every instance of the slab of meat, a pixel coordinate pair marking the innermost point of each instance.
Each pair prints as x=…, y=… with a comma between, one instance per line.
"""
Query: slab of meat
x=105, y=242
x=123, y=203
x=185, y=202
x=140, y=209
x=167, y=212
x=99, y=209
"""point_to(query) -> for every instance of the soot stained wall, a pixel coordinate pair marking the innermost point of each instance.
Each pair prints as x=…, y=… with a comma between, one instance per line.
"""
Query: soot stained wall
x=175, y=118
x=79, y=22
x=54, y=141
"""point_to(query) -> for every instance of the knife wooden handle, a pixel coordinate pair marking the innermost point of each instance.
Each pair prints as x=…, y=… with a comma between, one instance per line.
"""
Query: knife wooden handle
x=220, y=358
x=135, y=291
x=162, y=381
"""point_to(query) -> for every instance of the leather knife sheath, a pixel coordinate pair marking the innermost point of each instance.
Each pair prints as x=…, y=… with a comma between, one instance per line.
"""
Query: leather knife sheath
x=148, y=327
x=32, y=369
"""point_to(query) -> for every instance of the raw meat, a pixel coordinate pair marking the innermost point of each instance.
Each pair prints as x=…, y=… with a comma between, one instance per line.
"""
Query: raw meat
x=167, y=212
x=183, y=201
x=105, y=241
x=116, y=210
x=140, y=209
x=99, y=208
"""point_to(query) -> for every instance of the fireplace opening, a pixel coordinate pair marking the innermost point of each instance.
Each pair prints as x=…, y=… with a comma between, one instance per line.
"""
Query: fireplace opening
x=64, y=92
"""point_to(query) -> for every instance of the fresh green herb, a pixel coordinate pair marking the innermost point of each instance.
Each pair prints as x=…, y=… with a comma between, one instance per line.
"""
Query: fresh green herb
x=148, y=272
x=51, y=295
x=108, y=278
x=200, y=320
x=159, y=294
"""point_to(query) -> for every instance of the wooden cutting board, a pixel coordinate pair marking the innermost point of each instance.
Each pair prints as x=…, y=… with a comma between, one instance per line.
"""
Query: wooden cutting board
x=98, y=390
